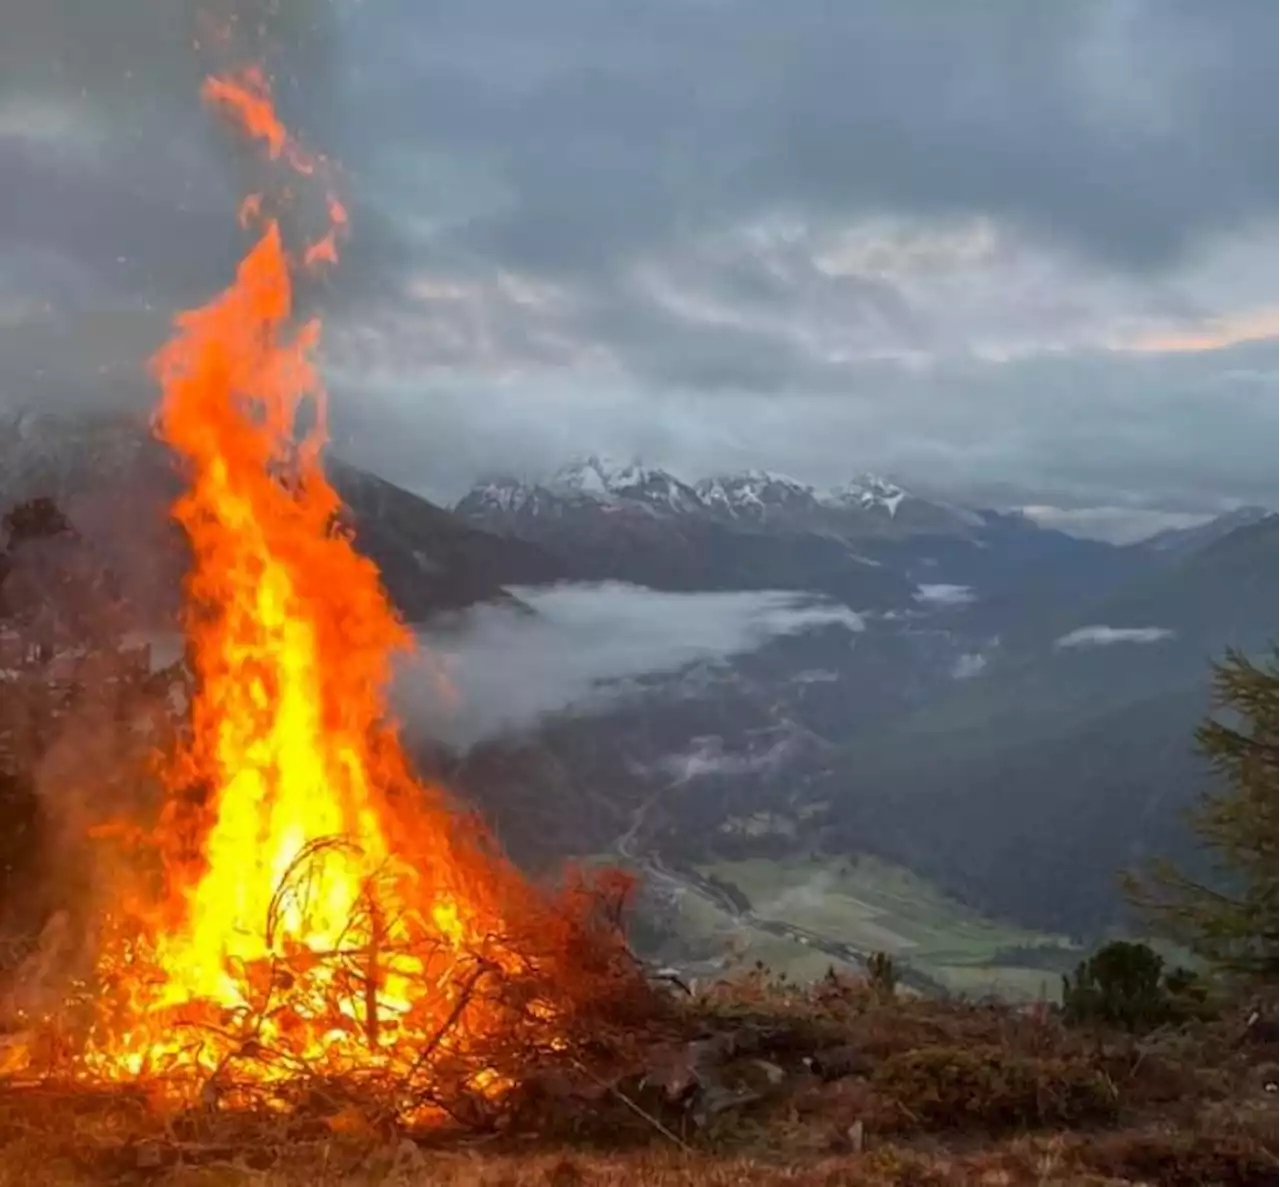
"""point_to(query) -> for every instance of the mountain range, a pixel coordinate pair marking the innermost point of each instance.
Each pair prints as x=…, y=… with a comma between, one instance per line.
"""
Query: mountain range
x=866, y=507
x=1015, y=722
x=1012, y=716
x=868, y=543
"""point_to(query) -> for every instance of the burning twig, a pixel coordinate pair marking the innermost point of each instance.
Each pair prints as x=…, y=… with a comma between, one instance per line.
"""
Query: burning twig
x=306, y=861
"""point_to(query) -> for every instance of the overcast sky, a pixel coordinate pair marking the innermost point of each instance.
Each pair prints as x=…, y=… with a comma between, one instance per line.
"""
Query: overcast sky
x=1021, y=251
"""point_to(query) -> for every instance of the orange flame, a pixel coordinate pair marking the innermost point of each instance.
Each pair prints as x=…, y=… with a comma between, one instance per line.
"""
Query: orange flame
x=317, y=902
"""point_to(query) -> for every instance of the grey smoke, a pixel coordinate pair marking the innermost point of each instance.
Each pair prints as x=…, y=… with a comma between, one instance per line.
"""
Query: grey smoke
x=495, y=669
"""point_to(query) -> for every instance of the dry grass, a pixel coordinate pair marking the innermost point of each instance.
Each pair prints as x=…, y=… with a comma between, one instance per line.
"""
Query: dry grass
x=844, y=1089
x=1061, y=1160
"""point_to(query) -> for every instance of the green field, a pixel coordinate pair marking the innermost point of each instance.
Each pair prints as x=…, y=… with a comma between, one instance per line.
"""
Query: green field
x=872, y=906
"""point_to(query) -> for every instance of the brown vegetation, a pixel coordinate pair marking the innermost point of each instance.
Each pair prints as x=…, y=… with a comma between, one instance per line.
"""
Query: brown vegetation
x=753, y=1083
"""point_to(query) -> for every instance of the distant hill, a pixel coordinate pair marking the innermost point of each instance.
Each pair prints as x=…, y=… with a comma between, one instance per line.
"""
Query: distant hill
x=1027, y=786
x=1186, y=540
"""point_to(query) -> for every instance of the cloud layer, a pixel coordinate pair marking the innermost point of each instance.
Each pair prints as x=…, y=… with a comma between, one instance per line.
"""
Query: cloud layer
x=498, y=670
x=1023, y=248
x=1107, y=636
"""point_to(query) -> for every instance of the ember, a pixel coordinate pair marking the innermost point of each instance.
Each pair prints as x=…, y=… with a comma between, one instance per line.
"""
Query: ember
x=315, y=912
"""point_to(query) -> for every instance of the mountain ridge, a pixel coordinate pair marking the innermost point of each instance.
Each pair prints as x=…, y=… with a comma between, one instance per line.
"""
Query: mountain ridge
x=866, y=504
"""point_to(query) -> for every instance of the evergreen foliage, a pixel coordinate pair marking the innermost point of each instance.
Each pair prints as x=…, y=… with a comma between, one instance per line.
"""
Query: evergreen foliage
x=1229, y=918
x=1124, y=985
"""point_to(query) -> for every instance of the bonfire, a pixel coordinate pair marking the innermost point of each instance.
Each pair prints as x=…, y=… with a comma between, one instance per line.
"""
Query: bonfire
x=311, y=913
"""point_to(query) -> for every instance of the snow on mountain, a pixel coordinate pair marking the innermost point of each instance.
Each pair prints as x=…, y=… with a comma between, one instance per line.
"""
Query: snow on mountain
x=499, y=495
x=870, y=492
x=607, y=479
x=750, y=494
x=755, y=494
x=866, y=505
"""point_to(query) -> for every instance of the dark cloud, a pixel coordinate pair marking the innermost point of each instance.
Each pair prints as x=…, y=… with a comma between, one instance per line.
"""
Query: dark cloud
x=580, y=225
x=1080, y=430
x=1127, y=128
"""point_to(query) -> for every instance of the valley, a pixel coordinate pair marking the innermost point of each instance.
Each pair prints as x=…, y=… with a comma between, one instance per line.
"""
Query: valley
x=819, y=725
x=1014, y=731
x=800, y=915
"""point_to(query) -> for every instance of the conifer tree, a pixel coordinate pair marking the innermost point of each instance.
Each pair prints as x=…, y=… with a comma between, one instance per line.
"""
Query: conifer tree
x=1229, y=918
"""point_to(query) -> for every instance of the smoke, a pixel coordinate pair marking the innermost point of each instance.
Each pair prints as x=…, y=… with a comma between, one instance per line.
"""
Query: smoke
x=120, y=192
x=495, y=669
x=140, y=56
x=94, y=771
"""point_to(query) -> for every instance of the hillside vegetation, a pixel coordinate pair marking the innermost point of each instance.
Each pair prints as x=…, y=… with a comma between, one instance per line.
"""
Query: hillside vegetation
x=754, y=1082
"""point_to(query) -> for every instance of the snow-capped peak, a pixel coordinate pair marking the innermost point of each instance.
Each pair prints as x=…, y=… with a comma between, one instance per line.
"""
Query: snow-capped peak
x=754, y=492
x=499, y=494
x=594, y=475
x=871, y=492
x=754, y=497
x=589, y=476
x=609, y=480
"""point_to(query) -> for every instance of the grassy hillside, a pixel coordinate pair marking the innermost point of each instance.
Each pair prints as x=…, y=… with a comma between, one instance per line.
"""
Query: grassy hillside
x=868, y=905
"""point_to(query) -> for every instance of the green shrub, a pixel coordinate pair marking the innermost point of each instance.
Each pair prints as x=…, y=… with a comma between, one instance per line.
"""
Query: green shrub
x=1121, y=984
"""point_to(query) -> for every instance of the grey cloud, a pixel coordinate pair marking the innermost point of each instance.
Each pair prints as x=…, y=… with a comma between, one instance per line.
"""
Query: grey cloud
x=1128, y=128
x=1070, y=430
x=941, y=594
x=578, y=144
x=588, y=148
x=125, y=239
x=1107, y=636
x=497, y=670
x=1119, y=525
x=567, y=138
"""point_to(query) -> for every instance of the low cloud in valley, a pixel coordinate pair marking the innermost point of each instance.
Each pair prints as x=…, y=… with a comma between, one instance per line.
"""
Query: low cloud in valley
x=497, y=669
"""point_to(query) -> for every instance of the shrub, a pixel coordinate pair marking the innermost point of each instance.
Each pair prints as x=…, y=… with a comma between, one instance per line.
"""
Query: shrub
x=990, y=1088
x=1121, y=984
x=881, y=975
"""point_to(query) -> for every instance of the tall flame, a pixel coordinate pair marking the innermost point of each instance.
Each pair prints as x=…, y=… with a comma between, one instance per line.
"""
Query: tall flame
x=317, y=902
